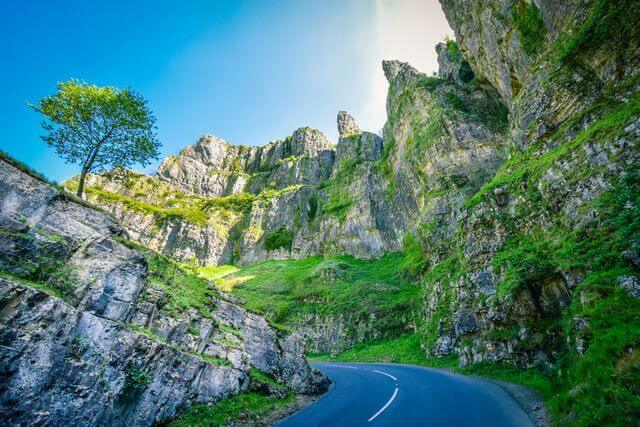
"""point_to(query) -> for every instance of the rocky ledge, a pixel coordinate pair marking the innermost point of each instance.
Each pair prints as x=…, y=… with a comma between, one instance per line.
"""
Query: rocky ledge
x=95, y=331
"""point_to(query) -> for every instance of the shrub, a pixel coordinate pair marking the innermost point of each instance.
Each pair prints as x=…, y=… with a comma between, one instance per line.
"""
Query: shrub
x=312, y=207
x=136, y=379
x=281, y=238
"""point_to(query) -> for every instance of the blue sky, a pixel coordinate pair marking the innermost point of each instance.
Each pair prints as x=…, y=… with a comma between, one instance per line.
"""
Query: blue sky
x=247, y=71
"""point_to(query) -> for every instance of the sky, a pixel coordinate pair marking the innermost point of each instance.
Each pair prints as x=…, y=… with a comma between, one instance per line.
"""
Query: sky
x=247, y=71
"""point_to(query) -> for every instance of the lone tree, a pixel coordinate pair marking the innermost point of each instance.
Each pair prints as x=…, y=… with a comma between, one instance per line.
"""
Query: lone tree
x=98, y=127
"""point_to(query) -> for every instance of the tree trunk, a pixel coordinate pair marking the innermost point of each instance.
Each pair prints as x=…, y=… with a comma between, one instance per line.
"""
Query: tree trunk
x=83, y=174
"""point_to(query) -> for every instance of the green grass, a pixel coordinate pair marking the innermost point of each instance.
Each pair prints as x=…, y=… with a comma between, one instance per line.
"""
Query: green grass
x=407, y=350
x=44, y=287
x=245, y=409
x=258, y=376
x=336, y=286
x=182, y=289
x=339, y=199
x=523, y=260
x=530, y=26
x=529, y=165
x=214, y=272
x=213, y=359
x=612, y=23
x=404, y=349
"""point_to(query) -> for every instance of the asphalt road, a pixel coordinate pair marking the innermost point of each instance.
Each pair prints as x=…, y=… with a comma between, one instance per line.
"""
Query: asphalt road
x=401, y=395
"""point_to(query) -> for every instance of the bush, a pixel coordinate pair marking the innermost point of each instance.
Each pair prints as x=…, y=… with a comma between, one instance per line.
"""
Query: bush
x=136, y=379
x=312, y=207
x=281, y=238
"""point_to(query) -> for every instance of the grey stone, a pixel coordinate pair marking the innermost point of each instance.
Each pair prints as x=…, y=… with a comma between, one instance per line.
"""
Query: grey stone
x=631, y=285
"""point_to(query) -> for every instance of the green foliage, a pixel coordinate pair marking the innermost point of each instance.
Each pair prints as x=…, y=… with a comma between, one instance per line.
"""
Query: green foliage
x=182, y=290
x=285, y=291
x=213, y=359
x=530, y=26
x=240, y=202
x=531, y=377
x=611, y=23
x=429, y=83
x=312, y=207
x=136, y=379
x=195, y=215
x=456, y=102
x=257, y=376
x=404, y=349
x=281, y=238
x=600, y=387
x=98, y=127
x=523, y=260
x=524, y=170
x=145, y=331
x=414, y=262
x=47, y=268
x=438, y=280
x=243, y=409
x=339, y=199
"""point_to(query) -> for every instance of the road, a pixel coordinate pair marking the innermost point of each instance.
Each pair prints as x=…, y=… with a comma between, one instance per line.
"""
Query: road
x=372, y=394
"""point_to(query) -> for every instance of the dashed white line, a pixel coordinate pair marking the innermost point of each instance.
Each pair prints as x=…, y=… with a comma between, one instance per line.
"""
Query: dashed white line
x=384, y=373
x=386, y=405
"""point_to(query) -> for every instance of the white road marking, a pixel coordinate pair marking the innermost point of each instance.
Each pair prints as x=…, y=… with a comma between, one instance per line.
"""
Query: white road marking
x=384, y=373
x=342, y=366
x=386, y=405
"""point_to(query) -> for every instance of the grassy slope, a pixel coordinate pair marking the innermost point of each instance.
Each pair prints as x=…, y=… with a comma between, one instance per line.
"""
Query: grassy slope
x=246, y=409
x=329, y=287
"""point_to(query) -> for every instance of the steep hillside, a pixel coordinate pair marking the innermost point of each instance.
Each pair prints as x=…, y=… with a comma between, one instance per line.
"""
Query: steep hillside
x=96, y=331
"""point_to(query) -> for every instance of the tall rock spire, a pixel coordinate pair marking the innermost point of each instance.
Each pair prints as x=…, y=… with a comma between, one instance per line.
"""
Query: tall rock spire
x=347, y=124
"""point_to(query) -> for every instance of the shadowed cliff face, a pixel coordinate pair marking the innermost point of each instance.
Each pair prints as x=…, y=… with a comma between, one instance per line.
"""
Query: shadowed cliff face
x=94, y=332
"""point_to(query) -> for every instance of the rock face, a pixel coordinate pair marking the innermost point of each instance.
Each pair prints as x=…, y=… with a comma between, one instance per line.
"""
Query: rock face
x=97, y=337
x=531, y=121
x=347, y=124
x=217, y=203
x=563, y=159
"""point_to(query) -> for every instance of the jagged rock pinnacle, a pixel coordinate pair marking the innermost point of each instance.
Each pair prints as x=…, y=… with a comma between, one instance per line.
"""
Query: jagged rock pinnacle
x=394, y=68
x=347, y=124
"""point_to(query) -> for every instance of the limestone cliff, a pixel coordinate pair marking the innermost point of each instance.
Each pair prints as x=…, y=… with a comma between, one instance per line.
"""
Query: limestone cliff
x=515, y=170
x=96, y=332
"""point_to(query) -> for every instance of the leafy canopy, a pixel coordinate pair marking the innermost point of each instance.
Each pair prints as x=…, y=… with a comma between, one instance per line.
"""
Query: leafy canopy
x=98, y=127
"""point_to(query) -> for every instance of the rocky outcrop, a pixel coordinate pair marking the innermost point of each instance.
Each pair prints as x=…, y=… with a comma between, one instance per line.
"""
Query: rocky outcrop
x=93, y=334
x=486, y=298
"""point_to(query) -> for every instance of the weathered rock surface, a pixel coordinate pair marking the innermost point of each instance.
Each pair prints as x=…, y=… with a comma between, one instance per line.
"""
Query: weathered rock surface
x=104, y=345
x=551, y=117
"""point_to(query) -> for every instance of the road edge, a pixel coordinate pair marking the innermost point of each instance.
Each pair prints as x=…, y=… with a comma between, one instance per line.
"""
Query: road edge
x=528, y=399
x=310, y=400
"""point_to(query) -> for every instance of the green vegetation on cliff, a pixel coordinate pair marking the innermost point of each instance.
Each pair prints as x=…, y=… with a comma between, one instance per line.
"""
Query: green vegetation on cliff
x=245, y=409
x=530, y=26
x=379, y=291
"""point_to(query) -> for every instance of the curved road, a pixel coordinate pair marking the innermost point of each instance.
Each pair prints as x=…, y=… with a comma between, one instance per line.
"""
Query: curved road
x=378, y=394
